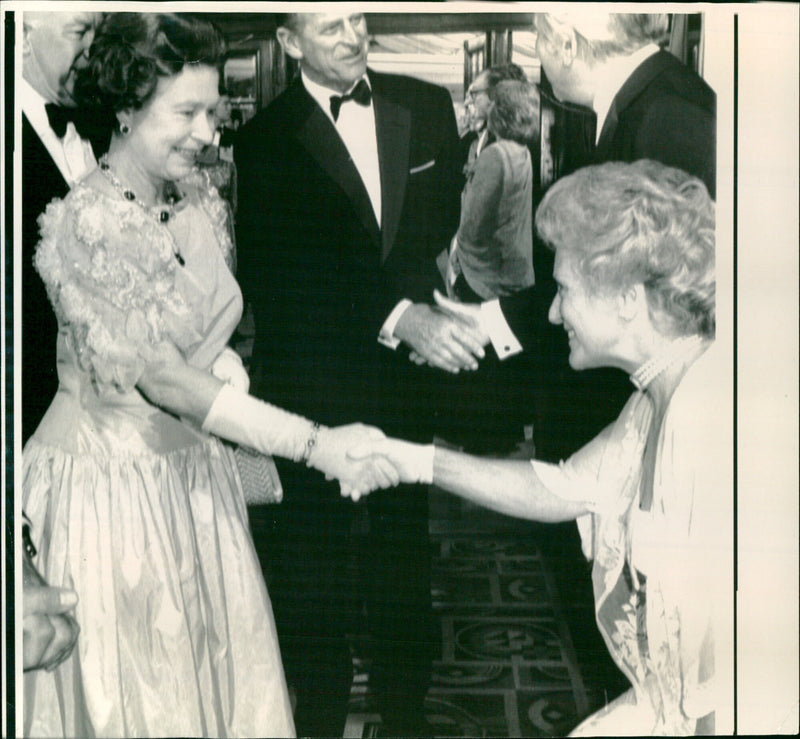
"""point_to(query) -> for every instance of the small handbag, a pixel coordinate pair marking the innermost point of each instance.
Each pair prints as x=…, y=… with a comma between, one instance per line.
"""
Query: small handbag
x=259, y=476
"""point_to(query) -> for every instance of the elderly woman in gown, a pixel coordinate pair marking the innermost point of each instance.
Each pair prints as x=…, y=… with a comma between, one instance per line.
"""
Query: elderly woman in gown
x=138, y=504
x=652, y=493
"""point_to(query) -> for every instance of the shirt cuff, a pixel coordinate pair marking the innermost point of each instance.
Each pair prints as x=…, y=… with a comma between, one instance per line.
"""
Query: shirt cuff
x=386, y=335
x=500, y=334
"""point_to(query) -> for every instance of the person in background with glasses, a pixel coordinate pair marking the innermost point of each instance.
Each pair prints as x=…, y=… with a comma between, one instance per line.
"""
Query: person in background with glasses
x=477, y=101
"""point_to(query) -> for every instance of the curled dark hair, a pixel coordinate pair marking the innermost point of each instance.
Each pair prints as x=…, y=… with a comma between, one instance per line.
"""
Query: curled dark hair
x=641, y=222
x=131, y=51
x=500, y=73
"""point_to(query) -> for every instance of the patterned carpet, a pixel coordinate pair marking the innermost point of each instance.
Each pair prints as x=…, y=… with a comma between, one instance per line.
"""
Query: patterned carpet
x=508, y=666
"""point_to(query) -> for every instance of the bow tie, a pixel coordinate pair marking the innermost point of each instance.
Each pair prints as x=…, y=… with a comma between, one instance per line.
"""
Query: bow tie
x=361, y=94
x=84, y=120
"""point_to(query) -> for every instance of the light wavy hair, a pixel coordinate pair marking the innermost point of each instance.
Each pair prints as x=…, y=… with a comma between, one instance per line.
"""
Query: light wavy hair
x=639, y=223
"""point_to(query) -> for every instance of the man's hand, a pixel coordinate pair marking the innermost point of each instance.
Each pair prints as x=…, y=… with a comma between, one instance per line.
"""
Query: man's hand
x=49, y=633
x=442, y=340
x=468, y=313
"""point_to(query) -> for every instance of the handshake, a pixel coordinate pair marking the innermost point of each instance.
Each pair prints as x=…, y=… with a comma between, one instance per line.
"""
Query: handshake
x=360, y=457
x=363, y=459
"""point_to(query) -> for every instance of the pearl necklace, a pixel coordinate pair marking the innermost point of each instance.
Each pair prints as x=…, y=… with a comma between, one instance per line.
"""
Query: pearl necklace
x=160, y=214
x=677, y=351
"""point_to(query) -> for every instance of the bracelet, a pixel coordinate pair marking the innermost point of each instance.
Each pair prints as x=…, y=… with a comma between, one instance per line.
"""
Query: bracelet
x=311, y=442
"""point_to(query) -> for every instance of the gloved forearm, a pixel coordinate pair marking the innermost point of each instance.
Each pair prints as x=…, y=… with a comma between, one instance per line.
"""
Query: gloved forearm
x=241, y=418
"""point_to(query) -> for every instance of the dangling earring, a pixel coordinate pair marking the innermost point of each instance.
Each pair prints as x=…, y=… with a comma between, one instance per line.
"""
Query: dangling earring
x=124, y=129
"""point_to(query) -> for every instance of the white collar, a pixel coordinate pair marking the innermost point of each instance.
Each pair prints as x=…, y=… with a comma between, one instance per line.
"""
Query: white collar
x=33, y=104
x=676, y=351
x=323, y=94
x=612, y=75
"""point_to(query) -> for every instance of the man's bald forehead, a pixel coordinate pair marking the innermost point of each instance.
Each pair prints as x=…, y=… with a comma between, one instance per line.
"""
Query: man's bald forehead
x=59, y=19
x=298, y=21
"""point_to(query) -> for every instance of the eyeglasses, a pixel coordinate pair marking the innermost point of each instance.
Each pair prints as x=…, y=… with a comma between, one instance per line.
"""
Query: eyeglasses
x=472, y=94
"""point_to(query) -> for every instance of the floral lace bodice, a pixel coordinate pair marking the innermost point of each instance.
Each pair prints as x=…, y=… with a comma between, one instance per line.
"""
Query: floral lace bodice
x=118, y=290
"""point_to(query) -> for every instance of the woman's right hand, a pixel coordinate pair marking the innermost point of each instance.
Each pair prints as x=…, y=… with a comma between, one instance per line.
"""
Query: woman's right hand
x=356, y=477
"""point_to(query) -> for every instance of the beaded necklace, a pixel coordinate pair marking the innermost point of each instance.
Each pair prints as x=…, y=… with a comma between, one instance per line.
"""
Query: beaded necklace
x=672, y=354
x=161, y=214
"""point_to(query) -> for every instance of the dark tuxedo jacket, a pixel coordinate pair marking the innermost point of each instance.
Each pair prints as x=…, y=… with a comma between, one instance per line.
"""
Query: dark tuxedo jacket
x=664, y=111
x=321, y=274
x=41, y=182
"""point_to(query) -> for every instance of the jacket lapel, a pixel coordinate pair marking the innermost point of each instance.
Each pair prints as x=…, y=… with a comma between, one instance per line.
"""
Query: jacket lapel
x=393, y=128
x=317, y=134
x=39, y=162
x=642, y=76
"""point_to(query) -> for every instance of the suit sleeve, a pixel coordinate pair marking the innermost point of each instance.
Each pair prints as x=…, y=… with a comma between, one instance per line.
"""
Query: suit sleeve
x=248, y=213
x=263, y=258
x=680, y=135
x=524, y=312
x=269, y=251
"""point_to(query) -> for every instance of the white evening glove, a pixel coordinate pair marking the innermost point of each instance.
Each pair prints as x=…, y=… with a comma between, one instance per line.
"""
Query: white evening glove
x=250, y=422
x=239, y=417
x=228, y=367
x=413, y=462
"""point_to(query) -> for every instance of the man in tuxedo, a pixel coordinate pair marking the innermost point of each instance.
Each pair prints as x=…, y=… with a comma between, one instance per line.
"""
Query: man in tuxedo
x=647, y=104
x=349, y=186
x=55, y=155
x=54, y=46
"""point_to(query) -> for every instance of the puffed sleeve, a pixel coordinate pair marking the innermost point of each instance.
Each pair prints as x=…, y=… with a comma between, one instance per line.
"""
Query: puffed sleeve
x=604, y=473
x=202, y=189
x=110, y=276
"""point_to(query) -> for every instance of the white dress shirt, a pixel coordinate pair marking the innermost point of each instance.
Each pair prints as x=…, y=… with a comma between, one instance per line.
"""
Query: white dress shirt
x=356, y=128
x=72, y=155
x=481, y=141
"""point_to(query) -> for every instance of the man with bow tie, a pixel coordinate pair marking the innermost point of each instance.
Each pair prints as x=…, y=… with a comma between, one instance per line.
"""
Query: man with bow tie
x=54, y=156
x=349, y=186
x=647, y=105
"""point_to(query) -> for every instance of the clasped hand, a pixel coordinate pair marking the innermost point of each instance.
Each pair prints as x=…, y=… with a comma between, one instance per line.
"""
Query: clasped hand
x=447, y=335
x=364, y=459
x=356, y=477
